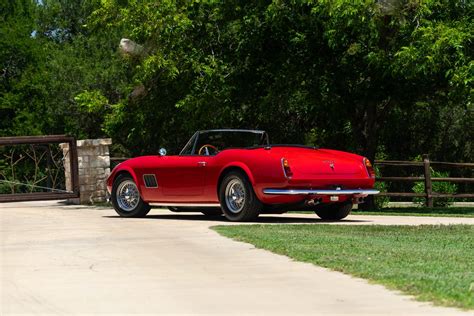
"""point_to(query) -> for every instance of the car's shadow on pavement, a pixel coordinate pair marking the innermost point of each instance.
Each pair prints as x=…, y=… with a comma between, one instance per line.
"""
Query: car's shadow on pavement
x=261, y=219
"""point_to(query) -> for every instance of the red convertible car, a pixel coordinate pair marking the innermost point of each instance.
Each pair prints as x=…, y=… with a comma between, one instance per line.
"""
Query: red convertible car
x=240, y=174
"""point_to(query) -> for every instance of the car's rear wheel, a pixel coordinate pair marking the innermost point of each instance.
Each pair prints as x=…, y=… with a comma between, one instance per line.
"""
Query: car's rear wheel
x=126, y=198
x=237, y=198
x=334, y=211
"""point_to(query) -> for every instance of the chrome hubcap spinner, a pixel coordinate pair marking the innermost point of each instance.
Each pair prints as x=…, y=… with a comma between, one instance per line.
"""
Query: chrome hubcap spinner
x=127, y=195
x=235, y=195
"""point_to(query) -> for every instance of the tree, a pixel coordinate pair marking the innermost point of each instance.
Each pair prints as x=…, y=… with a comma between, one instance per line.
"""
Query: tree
x=58, y=63
x=18, y=54
x=375, y=77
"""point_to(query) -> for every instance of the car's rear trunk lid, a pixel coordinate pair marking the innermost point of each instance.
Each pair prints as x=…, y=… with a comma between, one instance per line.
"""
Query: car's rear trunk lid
x=314, y=163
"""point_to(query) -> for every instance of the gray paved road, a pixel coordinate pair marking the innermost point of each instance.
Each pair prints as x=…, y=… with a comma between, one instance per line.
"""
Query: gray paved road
x=72, y=260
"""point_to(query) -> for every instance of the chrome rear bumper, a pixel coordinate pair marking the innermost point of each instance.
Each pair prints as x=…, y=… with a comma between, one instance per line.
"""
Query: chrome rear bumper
x=320, y=192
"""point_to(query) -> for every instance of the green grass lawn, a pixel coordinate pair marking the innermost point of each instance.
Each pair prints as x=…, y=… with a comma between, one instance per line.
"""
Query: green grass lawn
x=421, y=211
x=434, y=263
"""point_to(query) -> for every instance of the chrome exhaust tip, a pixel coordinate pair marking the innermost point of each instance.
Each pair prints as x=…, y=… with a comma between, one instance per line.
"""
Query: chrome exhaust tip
x=358, y=200
x=313, y=202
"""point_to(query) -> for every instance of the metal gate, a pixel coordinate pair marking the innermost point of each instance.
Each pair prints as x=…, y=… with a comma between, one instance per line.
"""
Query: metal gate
x=32, y=168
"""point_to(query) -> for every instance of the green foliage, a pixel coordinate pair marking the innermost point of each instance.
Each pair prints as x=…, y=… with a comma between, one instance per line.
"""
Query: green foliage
x=91, y=101
x=437, y=187
x=25, y=168
x=352, y=75
x=380, y=201
x=336, y=69
x=50, y=59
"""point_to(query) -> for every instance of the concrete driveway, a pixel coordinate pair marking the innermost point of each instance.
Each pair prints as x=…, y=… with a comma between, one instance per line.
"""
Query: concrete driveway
x=75, y=260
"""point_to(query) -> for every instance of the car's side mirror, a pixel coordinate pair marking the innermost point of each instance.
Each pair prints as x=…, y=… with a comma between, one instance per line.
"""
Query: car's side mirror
x=162, y=152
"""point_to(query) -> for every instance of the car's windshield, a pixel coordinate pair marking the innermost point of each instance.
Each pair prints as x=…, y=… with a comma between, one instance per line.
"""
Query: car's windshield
x=213, y=141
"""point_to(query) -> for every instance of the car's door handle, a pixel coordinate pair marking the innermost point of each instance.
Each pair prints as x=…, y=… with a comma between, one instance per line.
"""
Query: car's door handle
x=202, y=163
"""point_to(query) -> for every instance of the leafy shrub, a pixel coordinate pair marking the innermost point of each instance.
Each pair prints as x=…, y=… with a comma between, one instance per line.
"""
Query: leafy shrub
x=380, y=201
x=437, y=187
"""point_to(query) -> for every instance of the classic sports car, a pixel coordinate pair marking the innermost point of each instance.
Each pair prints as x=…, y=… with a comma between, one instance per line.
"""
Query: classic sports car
x=238, y=173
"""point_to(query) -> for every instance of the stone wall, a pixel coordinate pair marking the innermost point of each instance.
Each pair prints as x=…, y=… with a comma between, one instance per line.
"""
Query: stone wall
x=94, y=167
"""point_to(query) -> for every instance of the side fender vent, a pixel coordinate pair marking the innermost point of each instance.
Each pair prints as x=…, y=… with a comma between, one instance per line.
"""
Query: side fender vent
x=150, y=181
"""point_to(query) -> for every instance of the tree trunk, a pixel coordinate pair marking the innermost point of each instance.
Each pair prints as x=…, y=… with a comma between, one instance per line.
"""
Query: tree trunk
x=365, y=129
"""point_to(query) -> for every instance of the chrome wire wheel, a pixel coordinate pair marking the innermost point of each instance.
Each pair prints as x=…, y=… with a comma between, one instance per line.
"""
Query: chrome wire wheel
x=127, y=195
x=235, y=195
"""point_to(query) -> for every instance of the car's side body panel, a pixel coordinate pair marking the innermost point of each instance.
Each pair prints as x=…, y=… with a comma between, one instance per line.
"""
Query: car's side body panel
x=195, y=179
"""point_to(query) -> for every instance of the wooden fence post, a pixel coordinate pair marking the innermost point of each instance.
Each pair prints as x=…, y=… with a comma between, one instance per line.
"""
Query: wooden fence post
x=428, y=187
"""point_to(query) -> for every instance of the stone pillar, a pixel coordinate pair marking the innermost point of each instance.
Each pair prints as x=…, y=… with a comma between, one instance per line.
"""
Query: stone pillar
x=94, y=167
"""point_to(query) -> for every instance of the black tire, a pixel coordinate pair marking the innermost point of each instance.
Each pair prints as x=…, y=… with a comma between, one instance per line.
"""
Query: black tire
x=334, y=211
x=250, y=206
x=137, y=209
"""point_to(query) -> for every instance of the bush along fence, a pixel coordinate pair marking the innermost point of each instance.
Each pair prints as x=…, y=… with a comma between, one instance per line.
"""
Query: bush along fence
x=429, y=181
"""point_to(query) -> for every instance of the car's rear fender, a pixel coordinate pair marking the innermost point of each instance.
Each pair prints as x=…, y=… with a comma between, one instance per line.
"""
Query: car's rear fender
x=239, y=166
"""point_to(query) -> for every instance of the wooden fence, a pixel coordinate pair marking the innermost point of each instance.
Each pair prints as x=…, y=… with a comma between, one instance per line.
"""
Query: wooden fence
x=429, y=195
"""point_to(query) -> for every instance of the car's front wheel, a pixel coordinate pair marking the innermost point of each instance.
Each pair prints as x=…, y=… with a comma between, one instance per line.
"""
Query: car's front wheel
x=126, y=198
x=237, y=198
x=334, y=211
